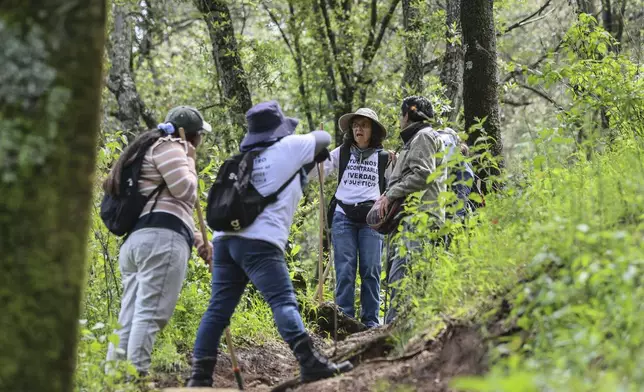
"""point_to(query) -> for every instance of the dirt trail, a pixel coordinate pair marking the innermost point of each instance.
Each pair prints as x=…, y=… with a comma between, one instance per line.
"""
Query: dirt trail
x=426, y=365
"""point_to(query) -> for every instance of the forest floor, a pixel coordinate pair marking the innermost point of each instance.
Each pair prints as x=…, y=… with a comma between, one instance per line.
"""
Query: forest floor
x=427, y=363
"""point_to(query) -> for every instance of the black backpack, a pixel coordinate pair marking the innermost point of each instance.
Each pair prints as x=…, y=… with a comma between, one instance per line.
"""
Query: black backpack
x=345, y=155
x=233, y=201
x=121, y=212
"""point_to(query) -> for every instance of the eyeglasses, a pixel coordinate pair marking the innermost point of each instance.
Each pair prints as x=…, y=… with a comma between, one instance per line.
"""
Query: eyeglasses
x=363, y=125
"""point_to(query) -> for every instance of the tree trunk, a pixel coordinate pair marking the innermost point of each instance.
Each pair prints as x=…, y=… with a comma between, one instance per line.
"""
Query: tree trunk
x=613, y=19
x=227, y=60
x=330, y=84
x=120, y=80
x=49, y=116
x=586, y=6
x=480, y=95
x=452, y=72
x=412, y=83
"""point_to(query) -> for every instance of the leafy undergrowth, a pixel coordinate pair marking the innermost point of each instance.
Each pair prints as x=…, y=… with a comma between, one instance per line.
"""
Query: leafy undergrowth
x=578, y=314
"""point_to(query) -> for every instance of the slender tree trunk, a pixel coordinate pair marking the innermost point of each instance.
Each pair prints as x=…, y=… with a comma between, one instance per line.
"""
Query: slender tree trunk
x=296, y=52
x=330, y=84
x=302, y=82
x=586, y=6
x=227, y=60
x=49, y=114
x=120, y=80
x=480, y=95
x=452, y=72
x=412, y=83
x=613, y=19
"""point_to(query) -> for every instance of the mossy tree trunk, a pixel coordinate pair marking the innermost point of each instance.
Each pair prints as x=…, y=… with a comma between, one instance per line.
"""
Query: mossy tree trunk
x=451, y=75
x=412, y=83
x=228, y=62
x=120, y=80
x=51, y=55
x=480, y=80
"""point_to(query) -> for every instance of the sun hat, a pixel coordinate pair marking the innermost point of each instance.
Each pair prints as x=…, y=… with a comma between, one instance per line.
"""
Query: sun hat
x=266, y=122
x=345, y=120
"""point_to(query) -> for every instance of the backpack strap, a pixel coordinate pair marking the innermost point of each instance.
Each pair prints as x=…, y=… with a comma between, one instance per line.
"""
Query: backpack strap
x=273, y=196
x=345, y=155
x=383, y=162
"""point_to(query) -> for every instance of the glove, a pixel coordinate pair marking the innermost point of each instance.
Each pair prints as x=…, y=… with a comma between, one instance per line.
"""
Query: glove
x=322, y=156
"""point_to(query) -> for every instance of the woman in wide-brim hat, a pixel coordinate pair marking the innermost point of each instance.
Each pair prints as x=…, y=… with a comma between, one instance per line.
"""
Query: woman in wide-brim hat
x=360, y=163
x=256, y=253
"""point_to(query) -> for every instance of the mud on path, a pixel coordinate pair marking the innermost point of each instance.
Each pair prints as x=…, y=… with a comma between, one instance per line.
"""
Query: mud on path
x=261, y=367
x=428, y=364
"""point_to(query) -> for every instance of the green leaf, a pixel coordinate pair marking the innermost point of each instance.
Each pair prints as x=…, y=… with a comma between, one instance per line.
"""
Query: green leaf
x=476, y=197
x=296, y=249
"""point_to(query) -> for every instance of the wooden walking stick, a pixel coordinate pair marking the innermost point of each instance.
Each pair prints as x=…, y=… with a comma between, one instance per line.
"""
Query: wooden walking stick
x=229, y=339
x=321, y=274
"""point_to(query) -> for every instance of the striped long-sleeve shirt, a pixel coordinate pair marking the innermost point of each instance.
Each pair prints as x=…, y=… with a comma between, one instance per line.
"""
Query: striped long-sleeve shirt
x=168, y=161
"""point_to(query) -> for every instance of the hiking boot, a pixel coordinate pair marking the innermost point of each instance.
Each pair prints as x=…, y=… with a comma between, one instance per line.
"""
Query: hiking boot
x=313, y=365
x=202, y=369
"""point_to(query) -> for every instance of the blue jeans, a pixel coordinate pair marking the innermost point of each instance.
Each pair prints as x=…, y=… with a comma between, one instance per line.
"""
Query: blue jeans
x=350, y=240
x=235, y=261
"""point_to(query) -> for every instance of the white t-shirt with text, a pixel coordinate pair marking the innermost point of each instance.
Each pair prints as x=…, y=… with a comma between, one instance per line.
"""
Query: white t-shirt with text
x=360, y=181
x=272, y=168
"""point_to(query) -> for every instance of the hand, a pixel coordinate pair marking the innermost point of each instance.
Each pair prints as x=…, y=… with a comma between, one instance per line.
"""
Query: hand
x=192, y=151
x=322, y=156
x=384, y=205
x=392, y=157
x=205, y=252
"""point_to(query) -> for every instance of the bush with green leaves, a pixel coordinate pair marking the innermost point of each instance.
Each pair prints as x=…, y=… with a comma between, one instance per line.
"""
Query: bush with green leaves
x=562, y=242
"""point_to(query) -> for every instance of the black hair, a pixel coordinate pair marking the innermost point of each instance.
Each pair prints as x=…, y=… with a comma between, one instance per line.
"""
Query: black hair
x=377, y=134
x=419, y=108
x=111, y=185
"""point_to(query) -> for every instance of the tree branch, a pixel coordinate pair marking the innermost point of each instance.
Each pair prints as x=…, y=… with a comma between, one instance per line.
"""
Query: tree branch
x=528, y=19
x=344, y=75
x=514, y=103
x=329, y=82
x=284, y=37
x=540, y=94
x=372, y=47
x=430, y=65
x=374, y=22
x=544, y=56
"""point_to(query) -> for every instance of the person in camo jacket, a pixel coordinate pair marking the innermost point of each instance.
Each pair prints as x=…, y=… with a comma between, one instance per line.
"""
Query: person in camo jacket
x=154, y=256
x=416, y=161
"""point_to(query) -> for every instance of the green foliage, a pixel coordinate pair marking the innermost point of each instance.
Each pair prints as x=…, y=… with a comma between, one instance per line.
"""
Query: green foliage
x=91, y=375
x=579, y=249
x=569, y=226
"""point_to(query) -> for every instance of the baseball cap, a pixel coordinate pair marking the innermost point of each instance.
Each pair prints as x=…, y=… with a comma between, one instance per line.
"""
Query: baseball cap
x=188, y=118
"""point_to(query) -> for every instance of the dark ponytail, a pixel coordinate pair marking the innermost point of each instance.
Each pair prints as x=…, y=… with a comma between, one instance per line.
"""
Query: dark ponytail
x=111, y=185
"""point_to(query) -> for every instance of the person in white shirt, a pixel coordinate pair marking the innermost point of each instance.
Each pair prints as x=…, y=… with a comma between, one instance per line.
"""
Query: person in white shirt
x=256, y=253
x=360, y=163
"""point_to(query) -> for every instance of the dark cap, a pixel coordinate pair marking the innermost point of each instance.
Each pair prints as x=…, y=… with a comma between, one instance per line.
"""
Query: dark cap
x=188, y=118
